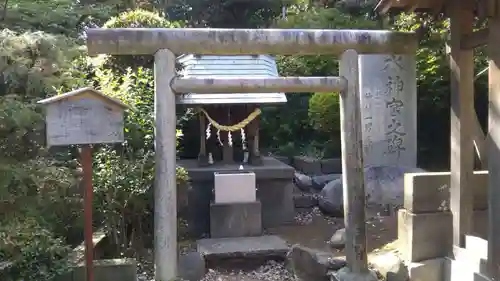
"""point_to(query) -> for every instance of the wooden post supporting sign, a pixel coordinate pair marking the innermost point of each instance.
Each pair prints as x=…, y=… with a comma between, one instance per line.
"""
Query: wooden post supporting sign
x=86, y=162
x=84, y=117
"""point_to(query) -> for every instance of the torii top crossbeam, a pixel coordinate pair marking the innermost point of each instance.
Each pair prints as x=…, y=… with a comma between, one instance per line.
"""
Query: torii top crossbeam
x=480, y=7
x=216, y=41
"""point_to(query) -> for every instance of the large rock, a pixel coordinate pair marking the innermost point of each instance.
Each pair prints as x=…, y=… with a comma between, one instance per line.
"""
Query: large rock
x=384, y=187
x=303, y=182
x=389, y=265
x=338, y=239
x=309, y=264
x=330, y=200
x=319, y=182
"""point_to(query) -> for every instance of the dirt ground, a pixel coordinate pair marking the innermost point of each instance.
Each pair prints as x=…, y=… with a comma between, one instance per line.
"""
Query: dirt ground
x=311, y=229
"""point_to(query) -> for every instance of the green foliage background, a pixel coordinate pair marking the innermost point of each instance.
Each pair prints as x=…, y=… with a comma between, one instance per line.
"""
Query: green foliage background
x=42, y=53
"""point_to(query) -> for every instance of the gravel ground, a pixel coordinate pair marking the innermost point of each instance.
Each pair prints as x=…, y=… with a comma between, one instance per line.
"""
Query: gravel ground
x=272, y=271
x=145, y=263
x=145, y=267
x=306, y=217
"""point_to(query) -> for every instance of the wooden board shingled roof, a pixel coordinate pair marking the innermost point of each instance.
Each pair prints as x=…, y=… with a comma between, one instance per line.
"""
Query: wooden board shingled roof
x=83, y=91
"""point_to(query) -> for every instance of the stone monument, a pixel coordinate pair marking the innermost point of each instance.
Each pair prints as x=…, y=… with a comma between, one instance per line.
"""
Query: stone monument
x=389, y=109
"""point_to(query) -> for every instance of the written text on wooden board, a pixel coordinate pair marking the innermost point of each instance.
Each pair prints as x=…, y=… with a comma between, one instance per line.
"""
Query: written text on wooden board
x=83, y=121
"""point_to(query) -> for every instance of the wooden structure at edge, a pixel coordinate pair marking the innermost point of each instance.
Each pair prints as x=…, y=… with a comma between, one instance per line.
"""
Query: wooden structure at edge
x=463, y=40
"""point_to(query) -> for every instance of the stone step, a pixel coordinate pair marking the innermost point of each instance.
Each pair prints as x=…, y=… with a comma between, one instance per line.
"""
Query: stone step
x=460, y=271
x=470, y=259
x=466, y=265
x=242, y=250
x=477, y=245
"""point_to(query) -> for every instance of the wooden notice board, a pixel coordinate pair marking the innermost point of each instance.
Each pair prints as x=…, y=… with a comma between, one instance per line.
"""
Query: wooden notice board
x=84, y=116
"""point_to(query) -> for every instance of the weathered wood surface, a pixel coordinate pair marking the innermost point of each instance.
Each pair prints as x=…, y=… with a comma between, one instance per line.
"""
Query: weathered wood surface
x=83, y=121
x=493, y=145
x=480, y=140
x=462, y=120
x=384, y=6
x=434, y=6
x=85, y=92
x=214, y=41
x=257, y=85
x=86, y=163
x=352, y=164
x=475, y=39
x=430, y=192
x=165, y=188
x=202, y=154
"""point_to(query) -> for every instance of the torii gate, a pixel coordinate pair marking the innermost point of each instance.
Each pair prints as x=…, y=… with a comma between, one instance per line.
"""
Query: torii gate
x=164, y=43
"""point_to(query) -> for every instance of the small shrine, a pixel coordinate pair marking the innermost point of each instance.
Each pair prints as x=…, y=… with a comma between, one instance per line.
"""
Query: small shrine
x=229, y=123
x=231, y=178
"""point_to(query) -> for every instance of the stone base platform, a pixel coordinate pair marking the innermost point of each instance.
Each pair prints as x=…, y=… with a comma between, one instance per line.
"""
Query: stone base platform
x=235, y=219
x=112, y=269
x=247, y=251
x=274, y=183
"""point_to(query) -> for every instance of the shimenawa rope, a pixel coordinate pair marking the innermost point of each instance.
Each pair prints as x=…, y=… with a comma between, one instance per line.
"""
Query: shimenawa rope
x=233, y=128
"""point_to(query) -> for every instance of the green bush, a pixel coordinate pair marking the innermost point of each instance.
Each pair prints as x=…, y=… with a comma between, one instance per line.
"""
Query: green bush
x=324, y=117
x=37, y=208
x=287, y=129
x=134, y=19
x=33, y=250
x=324, y=113
x=124, y=174
x=66, y=17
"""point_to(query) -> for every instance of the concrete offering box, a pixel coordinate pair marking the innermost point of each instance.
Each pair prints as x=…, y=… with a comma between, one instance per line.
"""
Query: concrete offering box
x=234, y=187
x=273, y=189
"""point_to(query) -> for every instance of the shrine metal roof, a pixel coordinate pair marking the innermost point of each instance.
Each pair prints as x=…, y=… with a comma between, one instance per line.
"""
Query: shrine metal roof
x=210, y=66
